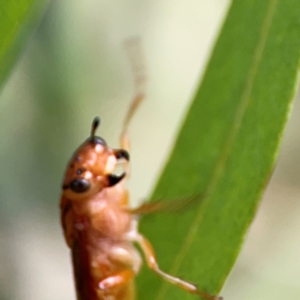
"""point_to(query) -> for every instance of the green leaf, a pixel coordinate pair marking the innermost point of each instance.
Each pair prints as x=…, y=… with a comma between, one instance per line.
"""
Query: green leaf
x=226, y=147
x=17, y=19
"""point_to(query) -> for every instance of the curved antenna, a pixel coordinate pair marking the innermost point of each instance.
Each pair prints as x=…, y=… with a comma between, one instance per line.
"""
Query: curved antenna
x=95, y=125
x=136, y=58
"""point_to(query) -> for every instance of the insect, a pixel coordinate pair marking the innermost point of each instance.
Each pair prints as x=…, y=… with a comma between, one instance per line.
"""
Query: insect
x=100, y=227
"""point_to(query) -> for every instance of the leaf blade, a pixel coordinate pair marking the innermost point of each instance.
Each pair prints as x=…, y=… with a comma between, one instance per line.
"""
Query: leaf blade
x=261, y=53
x=17, y=21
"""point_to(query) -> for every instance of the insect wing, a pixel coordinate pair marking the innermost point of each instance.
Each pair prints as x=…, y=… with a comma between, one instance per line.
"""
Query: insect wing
x=177, y=205
x=81, y=269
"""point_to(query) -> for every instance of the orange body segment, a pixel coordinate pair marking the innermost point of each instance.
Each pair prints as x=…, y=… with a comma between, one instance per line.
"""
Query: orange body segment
x=100, y=228
x=98, y=224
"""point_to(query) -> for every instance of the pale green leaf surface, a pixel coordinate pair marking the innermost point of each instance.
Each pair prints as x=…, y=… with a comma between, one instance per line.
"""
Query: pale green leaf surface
x=17, y=19
x=226, y=147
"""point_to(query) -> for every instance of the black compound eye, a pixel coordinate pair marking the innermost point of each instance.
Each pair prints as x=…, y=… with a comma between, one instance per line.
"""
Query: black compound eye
x=97, y=140
x=79, y=185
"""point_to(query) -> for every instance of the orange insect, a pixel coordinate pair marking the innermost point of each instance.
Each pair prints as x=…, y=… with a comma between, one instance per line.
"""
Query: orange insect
x=99, y=226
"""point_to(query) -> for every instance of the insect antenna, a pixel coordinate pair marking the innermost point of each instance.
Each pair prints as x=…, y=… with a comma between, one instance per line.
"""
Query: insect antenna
x=135, y=53
x=95, y=125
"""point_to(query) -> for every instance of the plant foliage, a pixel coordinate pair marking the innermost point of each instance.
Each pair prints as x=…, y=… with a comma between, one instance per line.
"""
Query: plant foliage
x=227, y=147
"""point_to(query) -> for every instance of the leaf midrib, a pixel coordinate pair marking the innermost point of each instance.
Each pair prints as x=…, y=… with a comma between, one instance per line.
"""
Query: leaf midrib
x=245, y=99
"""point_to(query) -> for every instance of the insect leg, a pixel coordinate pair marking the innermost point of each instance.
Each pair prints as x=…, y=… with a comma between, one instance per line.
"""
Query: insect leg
x=153, y=265
x=117, y=279
x=135, y=53
x=124, y=139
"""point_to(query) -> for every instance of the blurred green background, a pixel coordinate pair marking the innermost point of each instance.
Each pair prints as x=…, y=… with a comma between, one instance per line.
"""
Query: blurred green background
x=74, y=67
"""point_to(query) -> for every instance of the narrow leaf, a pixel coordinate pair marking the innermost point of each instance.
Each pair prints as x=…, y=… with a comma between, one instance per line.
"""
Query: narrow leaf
x=226, y=147
x=17, y=19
